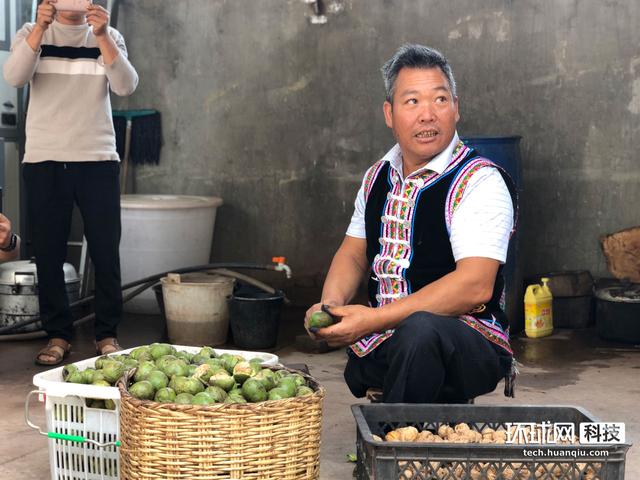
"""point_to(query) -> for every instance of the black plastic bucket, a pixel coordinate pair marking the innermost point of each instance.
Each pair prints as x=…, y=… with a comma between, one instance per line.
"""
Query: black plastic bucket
x=254, y=318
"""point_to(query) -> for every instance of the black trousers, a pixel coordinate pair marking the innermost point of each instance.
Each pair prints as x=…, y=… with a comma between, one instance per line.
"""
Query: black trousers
x=429, y=359
x=52, y=189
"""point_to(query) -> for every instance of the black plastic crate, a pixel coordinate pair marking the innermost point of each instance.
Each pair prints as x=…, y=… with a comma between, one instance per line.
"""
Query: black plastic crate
x=381, y=460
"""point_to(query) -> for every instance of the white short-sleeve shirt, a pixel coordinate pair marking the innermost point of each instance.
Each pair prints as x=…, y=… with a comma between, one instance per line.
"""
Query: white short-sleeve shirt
x=481, y=224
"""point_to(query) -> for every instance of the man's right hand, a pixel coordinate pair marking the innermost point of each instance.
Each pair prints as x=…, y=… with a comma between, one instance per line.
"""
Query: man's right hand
x=46, y=13
x=44, y=17
x=5, y=231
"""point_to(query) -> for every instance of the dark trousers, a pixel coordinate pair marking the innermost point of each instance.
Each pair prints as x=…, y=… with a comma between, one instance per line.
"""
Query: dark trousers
x=52, y=189
x=429, y=359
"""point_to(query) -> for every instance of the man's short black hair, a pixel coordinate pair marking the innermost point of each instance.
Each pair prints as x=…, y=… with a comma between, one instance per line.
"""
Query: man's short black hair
x=415, y=56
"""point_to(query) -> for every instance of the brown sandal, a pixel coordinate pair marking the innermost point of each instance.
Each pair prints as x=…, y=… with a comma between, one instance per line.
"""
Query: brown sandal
x=57, y=349
x=107, y=346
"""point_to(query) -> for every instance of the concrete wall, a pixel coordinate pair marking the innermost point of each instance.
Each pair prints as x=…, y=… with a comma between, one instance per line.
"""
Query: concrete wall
x=281, y=118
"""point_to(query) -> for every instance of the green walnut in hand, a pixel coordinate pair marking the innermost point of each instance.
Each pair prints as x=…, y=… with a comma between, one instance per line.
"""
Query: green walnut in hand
x=320, y=320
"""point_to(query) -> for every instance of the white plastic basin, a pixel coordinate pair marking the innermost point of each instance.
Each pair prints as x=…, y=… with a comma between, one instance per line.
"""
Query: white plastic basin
x=161, y=233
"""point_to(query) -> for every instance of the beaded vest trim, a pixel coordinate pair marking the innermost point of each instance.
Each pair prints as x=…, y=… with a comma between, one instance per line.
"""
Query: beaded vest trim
x=390, y=264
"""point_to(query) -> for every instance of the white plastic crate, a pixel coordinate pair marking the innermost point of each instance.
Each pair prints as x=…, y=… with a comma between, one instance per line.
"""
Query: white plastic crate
x=67, y=414
x=71, y=460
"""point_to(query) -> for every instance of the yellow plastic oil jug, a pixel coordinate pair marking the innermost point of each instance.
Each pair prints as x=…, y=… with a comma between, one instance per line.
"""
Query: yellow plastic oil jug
x=538, y=313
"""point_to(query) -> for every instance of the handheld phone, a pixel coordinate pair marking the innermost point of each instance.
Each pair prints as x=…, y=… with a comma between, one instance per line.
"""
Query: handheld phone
x=72, y=5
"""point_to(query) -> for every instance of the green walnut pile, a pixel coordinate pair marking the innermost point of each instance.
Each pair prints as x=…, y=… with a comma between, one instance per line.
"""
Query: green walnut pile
x=166, y=375
x=106, y=372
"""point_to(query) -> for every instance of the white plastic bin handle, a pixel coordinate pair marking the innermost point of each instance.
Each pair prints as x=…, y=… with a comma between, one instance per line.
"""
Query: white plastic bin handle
x=59, y=436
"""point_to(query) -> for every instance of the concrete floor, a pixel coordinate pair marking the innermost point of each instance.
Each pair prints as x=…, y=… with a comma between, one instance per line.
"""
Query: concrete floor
x=572, y=367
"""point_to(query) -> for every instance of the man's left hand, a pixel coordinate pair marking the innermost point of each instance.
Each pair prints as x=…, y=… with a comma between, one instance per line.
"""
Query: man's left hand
x=98, y=18
x=355, y=321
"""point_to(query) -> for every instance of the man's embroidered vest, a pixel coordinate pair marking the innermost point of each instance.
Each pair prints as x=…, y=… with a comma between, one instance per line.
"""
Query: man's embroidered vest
x=408, y=230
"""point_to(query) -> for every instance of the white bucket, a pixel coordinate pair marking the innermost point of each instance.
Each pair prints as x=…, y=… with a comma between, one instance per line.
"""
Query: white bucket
x=162, y=233
x=195, y=307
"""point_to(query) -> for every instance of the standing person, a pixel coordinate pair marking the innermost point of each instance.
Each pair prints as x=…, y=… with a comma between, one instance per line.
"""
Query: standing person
x=432, y=223
x=71, y=60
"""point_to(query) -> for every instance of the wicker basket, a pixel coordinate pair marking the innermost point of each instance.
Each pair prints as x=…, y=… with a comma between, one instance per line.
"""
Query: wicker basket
x=277, y=439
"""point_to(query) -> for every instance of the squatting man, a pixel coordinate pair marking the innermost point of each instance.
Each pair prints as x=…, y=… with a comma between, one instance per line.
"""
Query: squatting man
x=430, y=230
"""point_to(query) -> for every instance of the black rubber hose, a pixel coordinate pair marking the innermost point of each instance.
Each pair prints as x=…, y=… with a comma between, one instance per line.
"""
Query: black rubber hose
x=148, y=282
x=125, y=299
x=86, y=318
x=155, y=278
